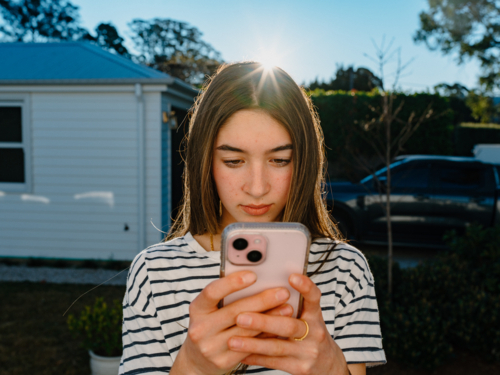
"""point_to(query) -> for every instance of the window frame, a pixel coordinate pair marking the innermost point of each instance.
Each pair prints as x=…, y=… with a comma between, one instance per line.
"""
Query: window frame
x=23, y=101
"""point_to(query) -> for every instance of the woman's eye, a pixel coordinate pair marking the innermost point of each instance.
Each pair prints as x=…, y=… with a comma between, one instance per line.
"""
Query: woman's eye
x=281, y=162
x=233, y=163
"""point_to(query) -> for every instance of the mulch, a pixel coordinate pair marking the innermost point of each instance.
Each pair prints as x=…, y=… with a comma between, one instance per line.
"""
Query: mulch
x=34, y=338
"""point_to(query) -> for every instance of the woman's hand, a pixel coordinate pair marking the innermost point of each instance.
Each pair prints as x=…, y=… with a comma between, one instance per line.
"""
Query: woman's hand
x=205, y=350
x=316, y=354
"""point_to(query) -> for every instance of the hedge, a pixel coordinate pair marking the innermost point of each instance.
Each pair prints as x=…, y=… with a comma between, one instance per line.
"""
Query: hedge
x=467, y=135
x=444, y=304
x=341, y=111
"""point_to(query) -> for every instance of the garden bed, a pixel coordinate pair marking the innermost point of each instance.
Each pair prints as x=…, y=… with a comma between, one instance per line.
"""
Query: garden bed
x=34, y=338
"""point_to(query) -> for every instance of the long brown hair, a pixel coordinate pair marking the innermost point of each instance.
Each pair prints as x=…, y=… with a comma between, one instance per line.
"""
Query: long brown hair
x=249, y=85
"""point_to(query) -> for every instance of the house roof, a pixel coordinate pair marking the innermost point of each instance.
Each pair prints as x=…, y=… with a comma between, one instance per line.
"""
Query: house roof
x=73, y=63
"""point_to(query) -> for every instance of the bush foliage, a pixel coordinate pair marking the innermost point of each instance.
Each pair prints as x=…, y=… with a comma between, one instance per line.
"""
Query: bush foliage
x=467, y=135
x=99, y=327
x=343, y=114
x=448, y=303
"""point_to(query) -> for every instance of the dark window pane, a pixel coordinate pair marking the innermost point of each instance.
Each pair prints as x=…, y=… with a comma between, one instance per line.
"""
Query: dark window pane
x=10, y=124
x=411, y=178
x=460, y=178
x=11, y=165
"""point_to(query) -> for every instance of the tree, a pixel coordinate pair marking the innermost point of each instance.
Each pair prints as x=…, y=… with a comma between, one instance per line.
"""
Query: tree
x=378, y=132
x=107, y=37
x=471, y=28
x=482, y=106
x=174, y=47
x=40, y=20
x=456, y=90
x=361, y=79
x=53, y=20
x=457, y=94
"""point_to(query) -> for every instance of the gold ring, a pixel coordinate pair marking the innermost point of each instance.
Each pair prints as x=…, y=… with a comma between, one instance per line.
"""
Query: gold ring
x=305, y=334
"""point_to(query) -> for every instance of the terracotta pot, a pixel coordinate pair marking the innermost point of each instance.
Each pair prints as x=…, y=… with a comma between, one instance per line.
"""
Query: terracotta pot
x=104, y=365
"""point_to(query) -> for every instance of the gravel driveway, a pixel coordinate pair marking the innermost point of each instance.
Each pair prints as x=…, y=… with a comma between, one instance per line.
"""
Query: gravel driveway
x=62, y=275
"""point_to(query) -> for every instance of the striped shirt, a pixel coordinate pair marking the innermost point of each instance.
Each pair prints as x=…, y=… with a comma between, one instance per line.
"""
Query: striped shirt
x=165, y=278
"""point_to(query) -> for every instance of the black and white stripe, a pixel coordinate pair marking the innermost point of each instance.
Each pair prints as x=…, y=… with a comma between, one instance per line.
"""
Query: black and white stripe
x=165, y=278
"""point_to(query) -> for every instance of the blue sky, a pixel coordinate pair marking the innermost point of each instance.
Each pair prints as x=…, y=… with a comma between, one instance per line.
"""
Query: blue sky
x=309, y=38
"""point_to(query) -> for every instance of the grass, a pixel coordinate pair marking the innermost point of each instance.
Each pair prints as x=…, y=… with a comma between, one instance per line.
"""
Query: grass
x=34, y=338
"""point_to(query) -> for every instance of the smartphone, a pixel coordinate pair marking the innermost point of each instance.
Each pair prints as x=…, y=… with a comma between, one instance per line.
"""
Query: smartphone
x=272, y=250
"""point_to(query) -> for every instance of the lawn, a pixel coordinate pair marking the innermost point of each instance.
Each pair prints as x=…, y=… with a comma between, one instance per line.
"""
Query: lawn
x=34, y=338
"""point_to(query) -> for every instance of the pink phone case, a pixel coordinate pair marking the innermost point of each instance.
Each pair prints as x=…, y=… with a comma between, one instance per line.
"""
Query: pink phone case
x=283, y=248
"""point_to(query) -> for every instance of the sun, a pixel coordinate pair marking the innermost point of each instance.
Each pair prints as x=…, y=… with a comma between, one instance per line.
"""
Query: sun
x=269, y=60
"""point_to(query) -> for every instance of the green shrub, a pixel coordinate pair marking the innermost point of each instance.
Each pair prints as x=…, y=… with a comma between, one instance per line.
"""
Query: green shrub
x=467, y=135
x=413, y=328
x=450, y=302
x=415, y=334
x=100, y=328
x=341, y=111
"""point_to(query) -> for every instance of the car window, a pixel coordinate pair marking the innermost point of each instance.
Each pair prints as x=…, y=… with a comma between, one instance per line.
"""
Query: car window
x=412, y=177
x=460, y=177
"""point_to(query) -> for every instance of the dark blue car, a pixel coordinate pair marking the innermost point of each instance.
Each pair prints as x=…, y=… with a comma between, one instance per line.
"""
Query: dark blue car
x=429, y=196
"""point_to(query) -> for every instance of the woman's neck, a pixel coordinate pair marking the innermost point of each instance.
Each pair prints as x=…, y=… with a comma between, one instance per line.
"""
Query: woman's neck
x=205, y=241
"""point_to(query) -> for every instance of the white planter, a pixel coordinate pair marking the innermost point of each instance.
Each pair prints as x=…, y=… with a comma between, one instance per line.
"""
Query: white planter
x=104, y=365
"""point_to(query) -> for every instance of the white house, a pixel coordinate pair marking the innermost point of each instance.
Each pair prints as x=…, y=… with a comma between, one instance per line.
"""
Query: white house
x=85, y=151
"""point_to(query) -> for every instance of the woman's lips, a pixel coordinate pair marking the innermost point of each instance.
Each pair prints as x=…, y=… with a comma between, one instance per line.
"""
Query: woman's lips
x=256, y=210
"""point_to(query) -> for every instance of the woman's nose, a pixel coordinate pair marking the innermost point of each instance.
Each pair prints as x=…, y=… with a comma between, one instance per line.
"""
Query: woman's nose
x=257, y=182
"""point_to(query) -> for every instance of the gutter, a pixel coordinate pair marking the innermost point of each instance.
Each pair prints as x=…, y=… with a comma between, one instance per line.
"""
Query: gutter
x=141, y=180
x=88, y=81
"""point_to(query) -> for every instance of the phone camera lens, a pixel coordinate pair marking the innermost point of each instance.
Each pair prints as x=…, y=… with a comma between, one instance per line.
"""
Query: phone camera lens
x=240, y=244
x=254, y=256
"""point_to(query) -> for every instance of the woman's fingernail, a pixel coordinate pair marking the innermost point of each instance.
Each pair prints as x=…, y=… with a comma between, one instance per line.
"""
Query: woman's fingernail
x=249, y=278
x=286, y=310
x=244, y=320
x=235, y=343
x=282, y=295
x=296, y=280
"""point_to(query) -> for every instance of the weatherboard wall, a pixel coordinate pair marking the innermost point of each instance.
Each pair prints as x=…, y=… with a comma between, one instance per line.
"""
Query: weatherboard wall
x=85, y=187
x=166, y=167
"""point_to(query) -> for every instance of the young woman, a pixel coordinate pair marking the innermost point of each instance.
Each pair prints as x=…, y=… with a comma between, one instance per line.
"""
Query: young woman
x=254, y=154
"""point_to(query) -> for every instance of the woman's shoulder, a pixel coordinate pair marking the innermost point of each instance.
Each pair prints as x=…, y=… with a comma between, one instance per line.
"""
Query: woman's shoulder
x=181, y=245
x=179, y=250
x=322, y=246
x=178, y=244
x=339, y=257
x=173, y=256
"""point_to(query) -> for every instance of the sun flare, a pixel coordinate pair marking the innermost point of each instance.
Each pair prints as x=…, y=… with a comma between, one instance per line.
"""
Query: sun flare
x=269, y=60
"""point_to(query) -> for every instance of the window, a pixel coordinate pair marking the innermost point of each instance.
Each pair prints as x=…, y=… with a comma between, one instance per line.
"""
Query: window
x=414, y=178
x=464, y=176
x=14, y=146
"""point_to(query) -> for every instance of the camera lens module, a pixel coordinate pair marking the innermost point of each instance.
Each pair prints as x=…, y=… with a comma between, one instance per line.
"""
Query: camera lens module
x=254, y=256
x=240, y=244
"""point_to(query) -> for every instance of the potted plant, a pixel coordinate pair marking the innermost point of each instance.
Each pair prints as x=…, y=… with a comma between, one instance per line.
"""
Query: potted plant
x=100, y=328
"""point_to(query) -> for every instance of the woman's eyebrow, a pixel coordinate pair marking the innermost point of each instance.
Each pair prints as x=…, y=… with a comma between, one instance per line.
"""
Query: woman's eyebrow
x=281, y=148
x=235, y=149
x=229, y=148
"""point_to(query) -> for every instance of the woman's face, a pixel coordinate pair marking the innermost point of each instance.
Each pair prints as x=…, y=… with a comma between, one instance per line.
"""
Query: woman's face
x=252, y=167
